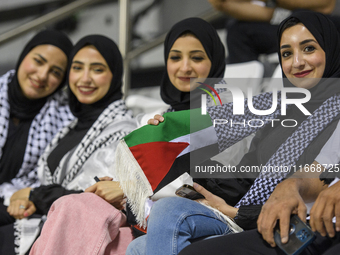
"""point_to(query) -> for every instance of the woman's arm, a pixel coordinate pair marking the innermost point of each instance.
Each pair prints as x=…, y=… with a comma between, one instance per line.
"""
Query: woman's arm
x=244, y=11
x=44, y=196
x=216, y=202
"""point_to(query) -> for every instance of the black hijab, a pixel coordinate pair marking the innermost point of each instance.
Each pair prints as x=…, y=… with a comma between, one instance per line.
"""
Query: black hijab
x=212, y=45
x=325, y=32
x=20, y=106
x=88, y=113
x=270, y=139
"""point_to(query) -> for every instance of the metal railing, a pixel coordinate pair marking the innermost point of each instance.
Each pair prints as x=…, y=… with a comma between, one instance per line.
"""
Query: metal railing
x=46, y=19
x=209, y=16
x=124, y=31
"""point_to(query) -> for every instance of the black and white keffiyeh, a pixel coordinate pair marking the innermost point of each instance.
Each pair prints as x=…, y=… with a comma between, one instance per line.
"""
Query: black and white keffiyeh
x=324, y=105
x=230, y=134
x=53, y=116
x=289, y=152
x=94, y=139
x=101, y=124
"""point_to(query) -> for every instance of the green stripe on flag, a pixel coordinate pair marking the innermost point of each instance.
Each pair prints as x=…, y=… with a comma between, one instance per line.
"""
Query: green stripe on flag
x=175, y=124
x=199, y=121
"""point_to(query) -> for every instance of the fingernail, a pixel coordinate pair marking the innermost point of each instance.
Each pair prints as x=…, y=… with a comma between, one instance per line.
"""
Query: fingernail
x=337, y=229
x=162, y=118
x=195, y=185
x=284, y=239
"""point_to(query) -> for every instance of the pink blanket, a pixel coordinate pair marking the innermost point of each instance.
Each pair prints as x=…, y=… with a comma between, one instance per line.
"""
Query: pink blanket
x=83, y=224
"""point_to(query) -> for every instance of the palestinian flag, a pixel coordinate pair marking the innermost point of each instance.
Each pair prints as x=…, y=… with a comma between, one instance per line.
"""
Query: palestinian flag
x=151, y=157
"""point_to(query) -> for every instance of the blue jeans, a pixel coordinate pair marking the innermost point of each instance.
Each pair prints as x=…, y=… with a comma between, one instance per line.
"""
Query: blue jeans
x=173, y=224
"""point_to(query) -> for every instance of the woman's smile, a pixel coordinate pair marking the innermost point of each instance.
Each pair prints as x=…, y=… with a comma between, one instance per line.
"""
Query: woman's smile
x=86, y=90
x=302, y=74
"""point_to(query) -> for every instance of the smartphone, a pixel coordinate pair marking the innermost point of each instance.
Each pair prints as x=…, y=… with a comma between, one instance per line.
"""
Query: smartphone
x=188, y=191
x=300, y=236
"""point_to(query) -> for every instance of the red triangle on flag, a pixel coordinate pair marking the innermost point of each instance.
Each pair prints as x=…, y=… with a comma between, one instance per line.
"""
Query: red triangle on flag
x=156, y=159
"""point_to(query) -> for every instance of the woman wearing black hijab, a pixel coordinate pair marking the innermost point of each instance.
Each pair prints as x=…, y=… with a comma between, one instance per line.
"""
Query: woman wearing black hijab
x=177, y=98
x=315, y=55
x=322, y=91
x=33, y=109
x=86, y=147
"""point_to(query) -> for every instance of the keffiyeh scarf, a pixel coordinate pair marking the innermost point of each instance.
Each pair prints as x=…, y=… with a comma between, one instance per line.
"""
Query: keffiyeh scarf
x=53, y=116
x=288, y=153
x=114, y=123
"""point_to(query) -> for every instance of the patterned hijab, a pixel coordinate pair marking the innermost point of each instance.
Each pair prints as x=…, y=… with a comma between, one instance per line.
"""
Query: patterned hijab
x=21, y=106
x=88, y=113
x=212, y=45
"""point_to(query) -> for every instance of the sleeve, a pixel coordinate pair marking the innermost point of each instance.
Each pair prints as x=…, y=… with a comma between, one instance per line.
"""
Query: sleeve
x=330, y=152
x=44, y=196
x=329, y=157
x=247, y=216
x=232, y=186
x=231, y=128
x=230, y=189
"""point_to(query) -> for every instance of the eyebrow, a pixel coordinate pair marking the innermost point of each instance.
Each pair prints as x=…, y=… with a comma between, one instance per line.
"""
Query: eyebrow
x=193, y=51
x=45, y=60
x=91, y=64
x=301, y=43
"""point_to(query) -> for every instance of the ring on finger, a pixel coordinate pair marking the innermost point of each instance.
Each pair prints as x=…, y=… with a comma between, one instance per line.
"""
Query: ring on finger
x=22, y=207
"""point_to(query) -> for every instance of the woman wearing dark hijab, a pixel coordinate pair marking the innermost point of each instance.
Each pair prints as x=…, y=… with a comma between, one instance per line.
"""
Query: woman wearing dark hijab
x=307, y=54
x=199, y=64
x=86, y=147
x=175, y=86
x=323, y=32
x=33, y=110
x=193, y=50
x=208, y=61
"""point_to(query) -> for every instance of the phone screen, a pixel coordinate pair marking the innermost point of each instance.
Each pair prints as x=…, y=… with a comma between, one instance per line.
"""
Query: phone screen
x=189, y=192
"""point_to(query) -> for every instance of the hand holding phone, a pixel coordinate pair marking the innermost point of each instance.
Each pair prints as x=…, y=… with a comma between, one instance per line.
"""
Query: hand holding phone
x=189, y=192
x=300, y=236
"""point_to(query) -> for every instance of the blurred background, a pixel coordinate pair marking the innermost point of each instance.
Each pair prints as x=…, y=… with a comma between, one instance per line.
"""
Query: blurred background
x=143, y=24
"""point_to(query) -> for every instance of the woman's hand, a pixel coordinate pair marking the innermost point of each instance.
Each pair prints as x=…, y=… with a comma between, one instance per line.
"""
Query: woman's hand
x=21, y=194
x=215, y=201
x=156, y=120
x=110, y=191
x=20, y=207
x=326, y=206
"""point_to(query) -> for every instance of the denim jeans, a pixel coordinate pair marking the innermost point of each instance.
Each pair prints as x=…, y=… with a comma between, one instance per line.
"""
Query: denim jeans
x=173, y=224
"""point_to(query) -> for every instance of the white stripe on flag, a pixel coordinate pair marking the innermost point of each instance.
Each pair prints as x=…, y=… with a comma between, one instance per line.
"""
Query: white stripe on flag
x=197, y=140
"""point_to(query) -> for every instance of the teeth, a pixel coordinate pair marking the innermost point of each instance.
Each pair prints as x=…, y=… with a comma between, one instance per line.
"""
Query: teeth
x=86, y=89
x=35, y=83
